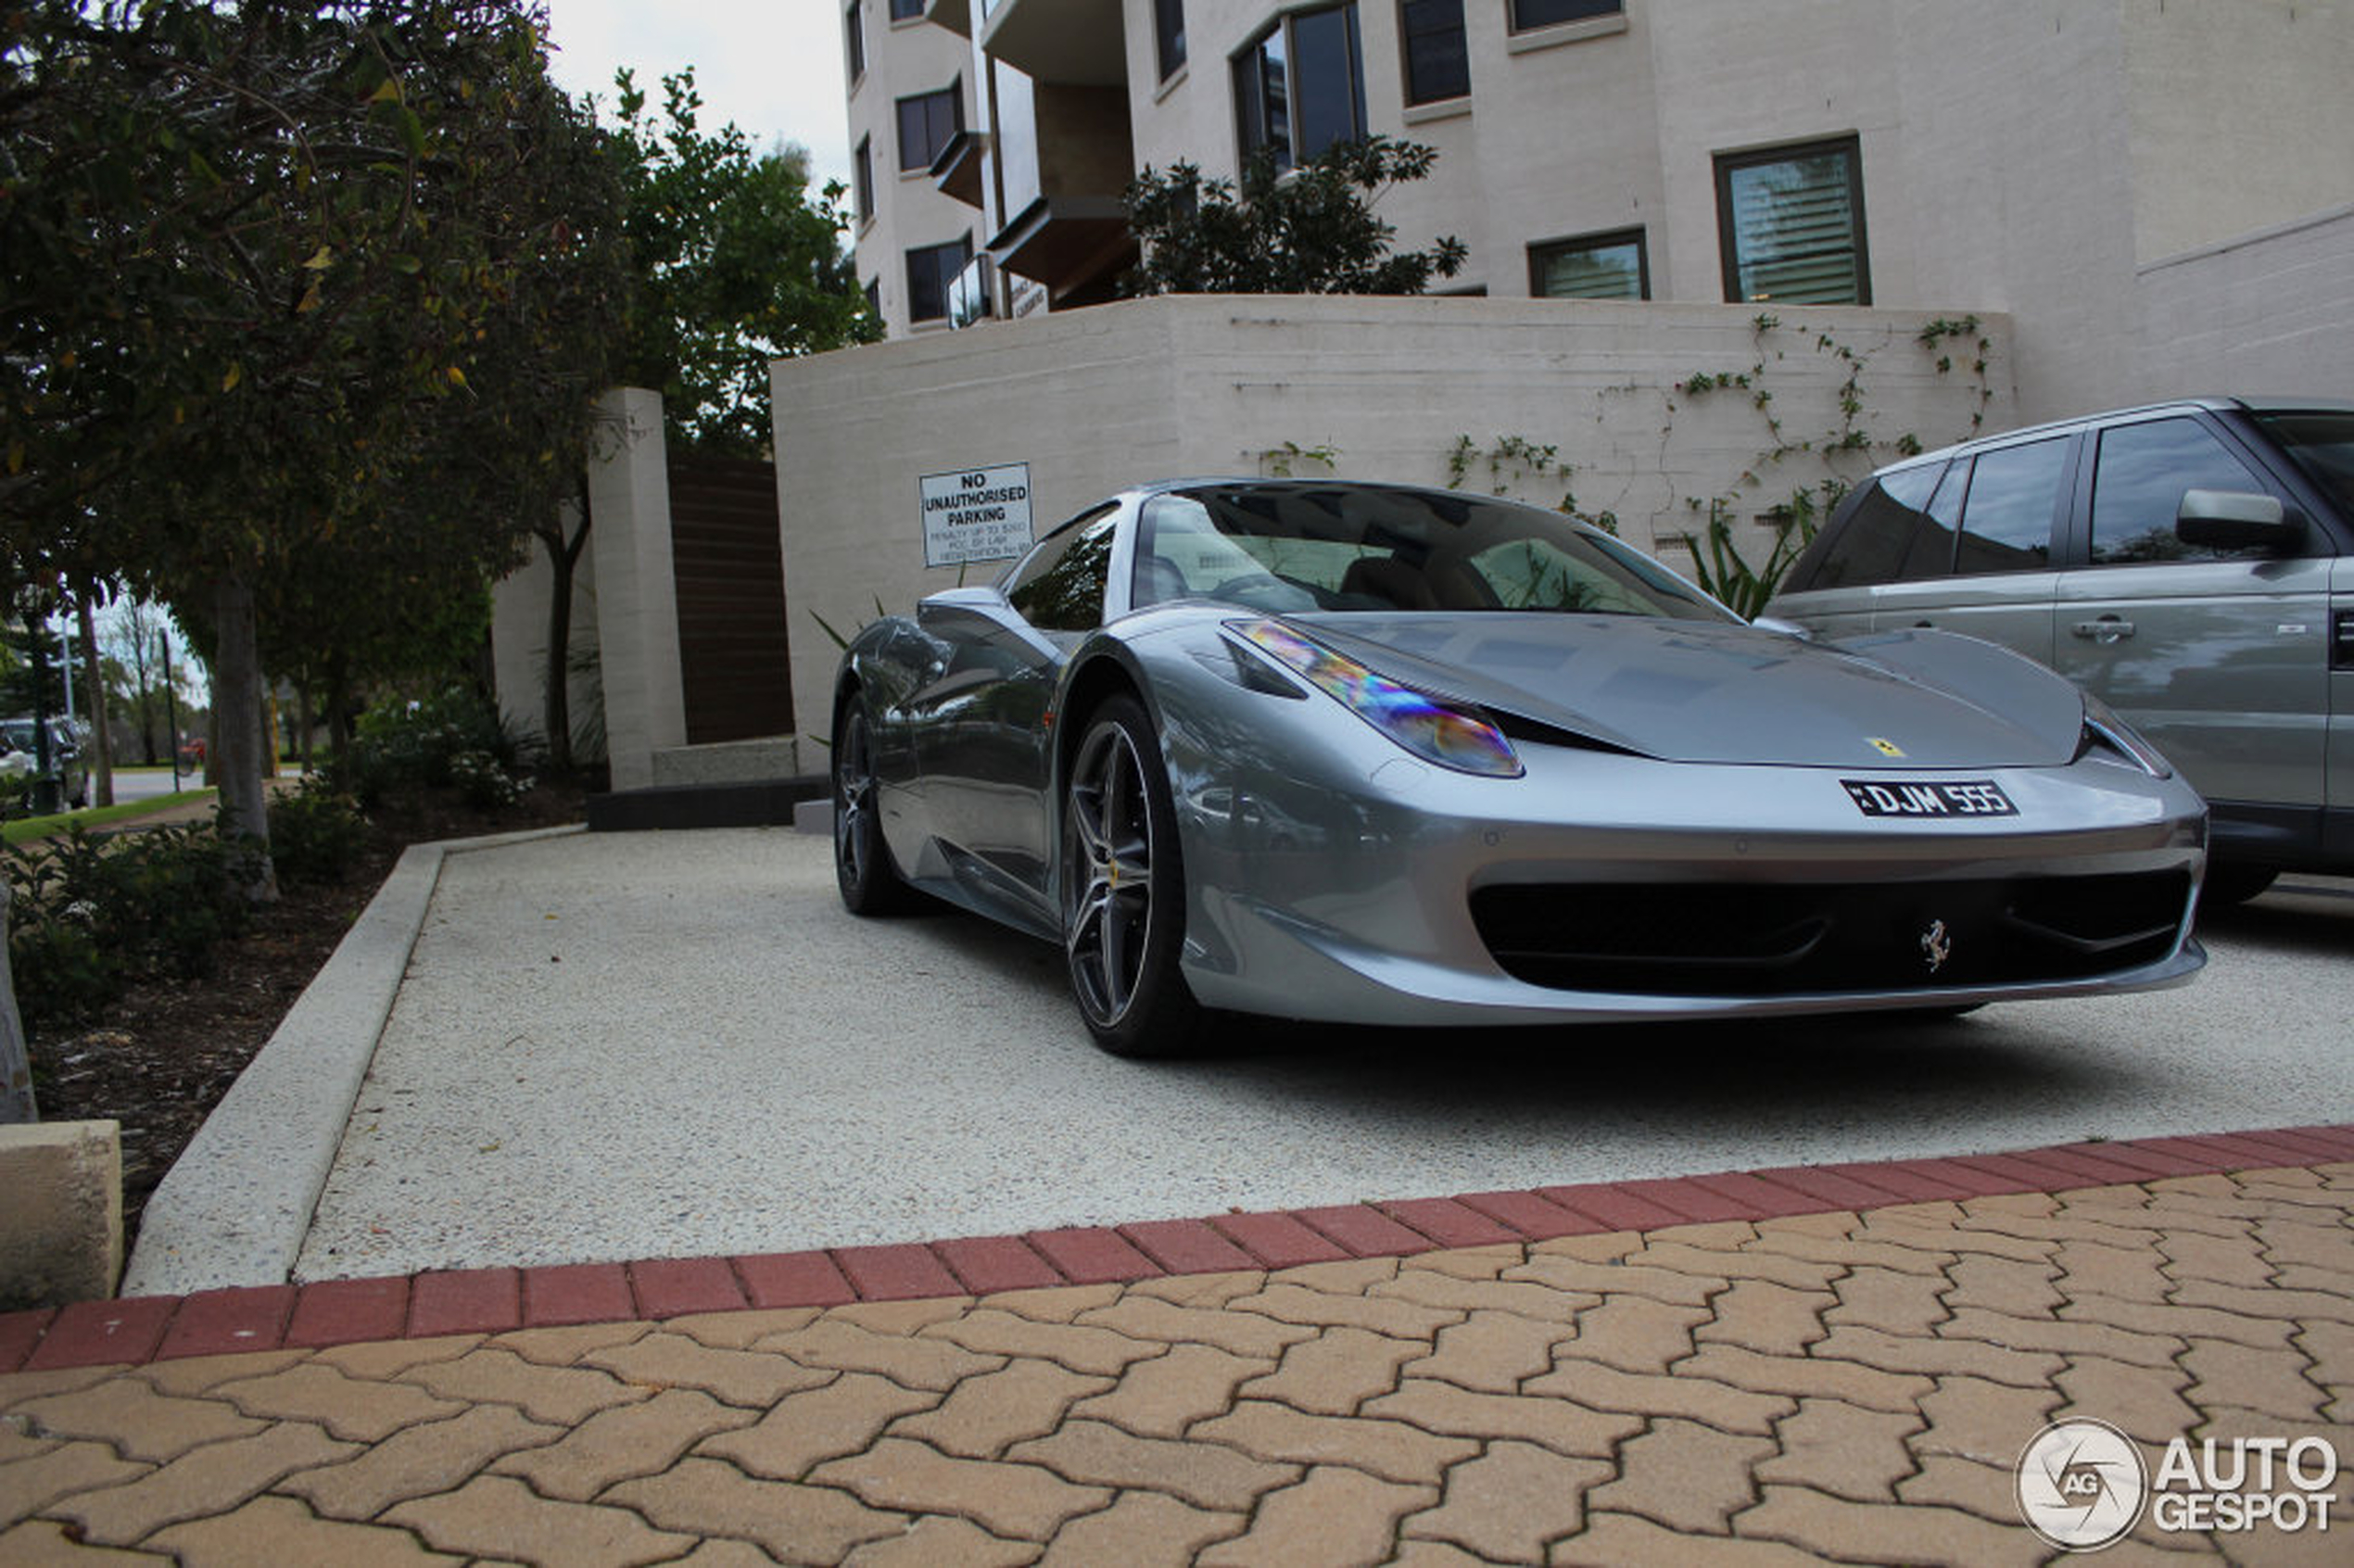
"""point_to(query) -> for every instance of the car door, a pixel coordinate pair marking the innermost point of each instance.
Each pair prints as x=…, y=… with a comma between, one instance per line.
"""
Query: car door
x=981, y=721
x=2004, y=508
x=2221, y=658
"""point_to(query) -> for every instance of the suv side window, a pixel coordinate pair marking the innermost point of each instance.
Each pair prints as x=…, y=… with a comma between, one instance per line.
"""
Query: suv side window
x=1060, y=587
x=2006, y=522
x=1882, y=534
x=2138, y=485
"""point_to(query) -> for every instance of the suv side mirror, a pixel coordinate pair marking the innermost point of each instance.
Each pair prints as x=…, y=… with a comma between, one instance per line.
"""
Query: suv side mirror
x=2237, y=520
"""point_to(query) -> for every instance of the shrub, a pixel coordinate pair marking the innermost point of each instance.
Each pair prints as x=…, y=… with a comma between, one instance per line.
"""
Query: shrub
x=485, y=783
x=316, y=833
x=89, y=916
x=410, y=745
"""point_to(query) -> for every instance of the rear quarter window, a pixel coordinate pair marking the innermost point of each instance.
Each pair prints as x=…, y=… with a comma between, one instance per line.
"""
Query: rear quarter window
x=1878, y=533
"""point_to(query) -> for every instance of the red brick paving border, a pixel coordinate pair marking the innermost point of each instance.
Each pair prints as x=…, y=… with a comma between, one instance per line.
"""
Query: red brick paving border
x=491, y=1300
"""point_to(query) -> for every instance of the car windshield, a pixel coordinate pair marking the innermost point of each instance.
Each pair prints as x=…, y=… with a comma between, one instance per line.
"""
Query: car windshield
x=2322, y=443
x=1324, y=547
x=20, y=733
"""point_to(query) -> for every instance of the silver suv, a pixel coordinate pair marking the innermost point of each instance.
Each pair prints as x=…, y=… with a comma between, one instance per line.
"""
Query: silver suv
x=2190, y=565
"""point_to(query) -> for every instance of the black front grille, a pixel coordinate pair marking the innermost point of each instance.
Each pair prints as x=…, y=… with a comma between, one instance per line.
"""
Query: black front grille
x=1737, y=939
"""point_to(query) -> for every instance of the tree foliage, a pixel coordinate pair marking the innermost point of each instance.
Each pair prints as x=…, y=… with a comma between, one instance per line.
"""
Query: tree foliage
x=1310, y=230
x=298, y=310
x=737, y=262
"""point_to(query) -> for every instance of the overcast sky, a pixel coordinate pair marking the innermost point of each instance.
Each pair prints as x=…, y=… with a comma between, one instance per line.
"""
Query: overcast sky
x=774, y=67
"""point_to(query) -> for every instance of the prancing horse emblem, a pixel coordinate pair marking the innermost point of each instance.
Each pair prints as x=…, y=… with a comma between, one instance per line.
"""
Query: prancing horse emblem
x=1936, y=945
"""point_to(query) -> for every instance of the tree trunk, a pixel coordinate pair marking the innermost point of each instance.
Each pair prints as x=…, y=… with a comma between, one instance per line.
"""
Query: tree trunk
x=305, y=721
x=236, y=718
x=562, y=557
x=16, y=1067
x=339, y=716
x=103, y=741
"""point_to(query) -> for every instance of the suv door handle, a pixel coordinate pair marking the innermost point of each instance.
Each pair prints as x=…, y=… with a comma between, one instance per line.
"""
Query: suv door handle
x=2109, y=628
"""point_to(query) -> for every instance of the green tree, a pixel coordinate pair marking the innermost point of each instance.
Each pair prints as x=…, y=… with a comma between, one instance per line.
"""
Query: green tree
x=255, y=266
x=1312, y=230
x=737, y=264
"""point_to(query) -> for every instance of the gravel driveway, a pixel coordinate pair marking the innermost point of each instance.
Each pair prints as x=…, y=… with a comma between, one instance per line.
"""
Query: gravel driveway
x=615, y=1047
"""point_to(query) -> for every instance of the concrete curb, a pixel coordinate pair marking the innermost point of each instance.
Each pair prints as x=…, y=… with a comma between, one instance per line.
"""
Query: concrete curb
x=234, y=1208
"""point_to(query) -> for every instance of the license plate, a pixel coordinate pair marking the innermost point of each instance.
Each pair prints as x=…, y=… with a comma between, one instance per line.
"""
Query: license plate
x=1943, y=796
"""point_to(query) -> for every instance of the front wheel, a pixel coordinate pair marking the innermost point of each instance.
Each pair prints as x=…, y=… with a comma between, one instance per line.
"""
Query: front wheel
x=869, y=884
x=1124, y=890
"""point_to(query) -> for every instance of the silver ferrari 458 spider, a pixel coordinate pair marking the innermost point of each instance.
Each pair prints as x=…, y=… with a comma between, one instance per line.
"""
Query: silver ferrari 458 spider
x=1369, y=753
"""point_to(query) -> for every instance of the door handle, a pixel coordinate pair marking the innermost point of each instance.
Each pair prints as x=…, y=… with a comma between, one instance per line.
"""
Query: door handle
x=2109, y=628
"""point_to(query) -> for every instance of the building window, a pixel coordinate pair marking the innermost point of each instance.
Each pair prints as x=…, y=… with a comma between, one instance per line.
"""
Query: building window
x=1300, y=87
x=874, y=298
x=932, y=275
x=1528, y=14
x=1437, y=63
x=926, y=122
x=856, y=31
x=907, y=10
x=862, y=177
x=1169, y=35
x=1614, y=266
x=1791, y=223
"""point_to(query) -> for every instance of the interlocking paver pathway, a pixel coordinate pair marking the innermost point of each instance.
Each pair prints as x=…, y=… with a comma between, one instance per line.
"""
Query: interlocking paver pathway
x=1802, y=1384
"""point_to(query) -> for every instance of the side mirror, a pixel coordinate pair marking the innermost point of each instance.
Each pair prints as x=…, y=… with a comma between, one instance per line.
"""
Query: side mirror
x=2237, y=520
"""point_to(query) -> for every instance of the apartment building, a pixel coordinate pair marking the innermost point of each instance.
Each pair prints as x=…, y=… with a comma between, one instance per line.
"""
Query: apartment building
x=2047, y=159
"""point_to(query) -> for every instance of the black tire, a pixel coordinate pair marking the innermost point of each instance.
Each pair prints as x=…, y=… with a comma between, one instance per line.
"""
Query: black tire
x=2232, y=883
x=1124, y=890
x=870, y=883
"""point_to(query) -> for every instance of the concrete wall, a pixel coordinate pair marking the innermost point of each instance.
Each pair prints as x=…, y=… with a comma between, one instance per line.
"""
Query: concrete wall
x=61, y=1228
x=519, y=641
x=1094, y=400
x=2270, y=312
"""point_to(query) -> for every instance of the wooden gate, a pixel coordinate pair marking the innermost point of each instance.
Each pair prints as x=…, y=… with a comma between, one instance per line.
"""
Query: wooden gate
x=729, y=565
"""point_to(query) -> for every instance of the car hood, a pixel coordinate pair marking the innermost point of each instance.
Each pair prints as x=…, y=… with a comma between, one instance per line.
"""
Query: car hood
x=1697, y=691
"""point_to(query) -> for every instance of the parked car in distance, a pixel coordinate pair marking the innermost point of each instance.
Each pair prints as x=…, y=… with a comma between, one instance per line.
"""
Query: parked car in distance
x=1366, y=753
x=65, y=763
x=2189, y=564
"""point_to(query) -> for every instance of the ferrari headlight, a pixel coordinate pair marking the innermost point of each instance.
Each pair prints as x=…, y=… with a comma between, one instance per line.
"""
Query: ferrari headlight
x=1431, y=730
x=2104, y=728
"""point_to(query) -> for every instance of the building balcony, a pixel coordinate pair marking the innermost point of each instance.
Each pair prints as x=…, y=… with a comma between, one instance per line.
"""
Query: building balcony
x=962, y=166
x=1075, y=245
x=1077, y=42
x=957, y=16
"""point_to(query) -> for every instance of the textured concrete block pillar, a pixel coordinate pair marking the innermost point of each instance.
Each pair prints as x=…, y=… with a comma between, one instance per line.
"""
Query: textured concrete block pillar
x=637, y=588
x=61, y=1228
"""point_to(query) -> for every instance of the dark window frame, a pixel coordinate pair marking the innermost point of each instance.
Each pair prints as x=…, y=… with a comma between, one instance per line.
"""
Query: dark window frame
x=1440, y=91
x=1570, y=12
x=907, y=10
x=1849, y=145
x=938, y=277
x=1638, y=236
x=1254, y=105
x=1169, y=36
x=952, y=95
x=862, y=179
x=855, y=39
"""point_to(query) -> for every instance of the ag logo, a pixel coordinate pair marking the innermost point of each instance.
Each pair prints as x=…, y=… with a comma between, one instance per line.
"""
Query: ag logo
x=2080, y=1484
x=1885, y=748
